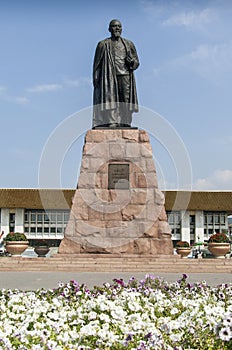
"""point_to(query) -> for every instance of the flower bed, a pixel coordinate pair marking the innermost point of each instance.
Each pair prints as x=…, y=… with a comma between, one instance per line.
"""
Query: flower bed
x=219, y=238
x=147, y=314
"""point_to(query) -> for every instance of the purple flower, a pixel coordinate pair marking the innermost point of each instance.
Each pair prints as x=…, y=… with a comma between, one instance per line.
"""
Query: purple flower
x=119, y=281
x=148, y=335
x=74, y=283
x=129, y=337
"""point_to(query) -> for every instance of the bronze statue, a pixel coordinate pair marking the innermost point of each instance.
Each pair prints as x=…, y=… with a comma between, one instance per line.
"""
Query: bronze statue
x=115, y=96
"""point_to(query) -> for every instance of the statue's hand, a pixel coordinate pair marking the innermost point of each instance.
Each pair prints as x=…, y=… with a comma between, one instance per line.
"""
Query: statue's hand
x=129, y=61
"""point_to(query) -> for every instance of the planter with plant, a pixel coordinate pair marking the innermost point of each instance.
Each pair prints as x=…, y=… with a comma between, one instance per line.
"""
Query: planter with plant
x=16, y=243
x=41, y=248
x=183, y=249
x=219, y=245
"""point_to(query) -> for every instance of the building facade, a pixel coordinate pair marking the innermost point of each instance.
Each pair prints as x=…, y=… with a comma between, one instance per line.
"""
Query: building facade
x=43, y=214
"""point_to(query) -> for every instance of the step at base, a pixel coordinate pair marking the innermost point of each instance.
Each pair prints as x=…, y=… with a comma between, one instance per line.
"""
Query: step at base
x=116, y=263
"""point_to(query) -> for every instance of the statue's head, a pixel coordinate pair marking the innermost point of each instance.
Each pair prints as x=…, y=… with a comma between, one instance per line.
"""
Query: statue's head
x=115, y=28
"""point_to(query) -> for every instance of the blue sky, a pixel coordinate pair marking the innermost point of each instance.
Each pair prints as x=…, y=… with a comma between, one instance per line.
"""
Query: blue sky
x=185, y=75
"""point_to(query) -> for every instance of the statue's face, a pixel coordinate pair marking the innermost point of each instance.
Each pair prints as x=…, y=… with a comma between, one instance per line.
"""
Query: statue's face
x=115, y=29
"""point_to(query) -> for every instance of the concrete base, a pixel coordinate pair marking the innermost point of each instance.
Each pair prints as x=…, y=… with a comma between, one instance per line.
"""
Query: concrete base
x=130, y=217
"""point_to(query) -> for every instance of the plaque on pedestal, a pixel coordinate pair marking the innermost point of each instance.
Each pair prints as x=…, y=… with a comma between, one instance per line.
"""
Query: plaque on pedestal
x=118, y=176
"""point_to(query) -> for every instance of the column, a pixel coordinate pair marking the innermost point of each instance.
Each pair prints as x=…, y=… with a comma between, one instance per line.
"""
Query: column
x=5, y=220
x=19, y=220
x=185, y=226
x=199, y=231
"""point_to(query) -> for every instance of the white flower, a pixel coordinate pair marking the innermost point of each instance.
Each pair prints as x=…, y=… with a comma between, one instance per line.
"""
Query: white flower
x=92, y=315
x=174, y=311
x=175, y=337
x=150, y=318
x=56, y=302
x=105, y=318
x=53, y=315
x=225, y=334
x=227, y=321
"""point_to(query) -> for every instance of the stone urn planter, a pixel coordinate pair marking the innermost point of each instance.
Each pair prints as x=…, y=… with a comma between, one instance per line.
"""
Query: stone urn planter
x=41, y=248
x=219, y=250
x=183, y=251
x=16, y=247
x=219, y=245
x=16, y=243
x=41, y=251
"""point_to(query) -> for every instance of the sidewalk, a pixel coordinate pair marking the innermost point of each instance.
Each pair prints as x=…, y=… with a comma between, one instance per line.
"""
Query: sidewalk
x=47, y=280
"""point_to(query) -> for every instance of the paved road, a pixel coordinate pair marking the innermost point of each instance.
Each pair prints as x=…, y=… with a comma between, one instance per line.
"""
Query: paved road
x=46, y=280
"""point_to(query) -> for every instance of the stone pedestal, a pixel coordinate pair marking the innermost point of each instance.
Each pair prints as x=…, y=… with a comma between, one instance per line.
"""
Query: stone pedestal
x=117, y=207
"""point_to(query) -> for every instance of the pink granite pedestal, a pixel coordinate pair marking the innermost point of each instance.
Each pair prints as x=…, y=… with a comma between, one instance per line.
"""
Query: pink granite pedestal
x=119, y=208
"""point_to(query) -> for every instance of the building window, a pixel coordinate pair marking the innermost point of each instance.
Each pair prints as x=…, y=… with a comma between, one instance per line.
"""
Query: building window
x=33, y=218
x=174, y=220
x=12, y=222
x=214, y=222
x=45, y=224
x=192, y=224
x=40, y=217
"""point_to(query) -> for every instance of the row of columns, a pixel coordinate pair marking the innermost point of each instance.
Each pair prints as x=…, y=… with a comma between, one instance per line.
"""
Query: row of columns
x=185, y=223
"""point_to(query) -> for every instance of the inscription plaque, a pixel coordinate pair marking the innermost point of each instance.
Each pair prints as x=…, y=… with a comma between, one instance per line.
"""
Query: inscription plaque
x=118, y=176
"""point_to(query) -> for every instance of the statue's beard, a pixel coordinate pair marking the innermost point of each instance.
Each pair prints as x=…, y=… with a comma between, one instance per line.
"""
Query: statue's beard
x=117, y=34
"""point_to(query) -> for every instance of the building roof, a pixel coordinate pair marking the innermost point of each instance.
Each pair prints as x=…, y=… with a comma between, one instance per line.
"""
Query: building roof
x=36, y=198
x=62, y=199
x=199, y=200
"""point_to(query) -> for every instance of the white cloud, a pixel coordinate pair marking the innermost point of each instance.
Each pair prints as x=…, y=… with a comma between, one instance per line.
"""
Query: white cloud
x=45, y=88
x=211, y=62
x=218, y=55
x=219, y=180
x=42, y=88
x=82, y=81
x=191, y=19
x=177, y=13
x=21, y=100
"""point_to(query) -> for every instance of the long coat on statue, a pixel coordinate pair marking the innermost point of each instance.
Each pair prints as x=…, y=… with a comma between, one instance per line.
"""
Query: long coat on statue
x=106, y=97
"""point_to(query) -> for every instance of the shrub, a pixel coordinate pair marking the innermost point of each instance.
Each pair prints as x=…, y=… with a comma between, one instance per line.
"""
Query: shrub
x=15, y=236
x=219, y=238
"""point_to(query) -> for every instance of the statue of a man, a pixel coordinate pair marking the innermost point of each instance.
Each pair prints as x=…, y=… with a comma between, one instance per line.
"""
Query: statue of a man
x=115, y=97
